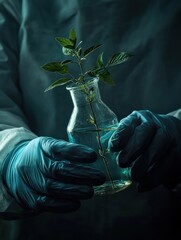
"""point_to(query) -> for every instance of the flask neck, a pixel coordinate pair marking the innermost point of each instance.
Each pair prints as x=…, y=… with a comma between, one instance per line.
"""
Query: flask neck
x=83, y=94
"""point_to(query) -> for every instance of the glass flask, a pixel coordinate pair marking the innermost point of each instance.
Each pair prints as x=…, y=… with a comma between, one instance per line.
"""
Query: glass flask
x=92, y=123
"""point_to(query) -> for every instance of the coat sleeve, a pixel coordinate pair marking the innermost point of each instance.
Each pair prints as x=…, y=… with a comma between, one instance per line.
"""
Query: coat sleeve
x=13, y=123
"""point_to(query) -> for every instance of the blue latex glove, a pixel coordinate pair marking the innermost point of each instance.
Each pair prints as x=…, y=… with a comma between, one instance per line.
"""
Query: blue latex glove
x=45, y=174
x=151, y=145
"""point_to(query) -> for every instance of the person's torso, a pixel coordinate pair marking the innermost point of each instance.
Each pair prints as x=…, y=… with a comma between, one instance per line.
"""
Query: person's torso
x=151, y=80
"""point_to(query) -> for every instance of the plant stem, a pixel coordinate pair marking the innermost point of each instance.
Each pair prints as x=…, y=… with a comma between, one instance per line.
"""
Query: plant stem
x=79, y=61
x=101, y=150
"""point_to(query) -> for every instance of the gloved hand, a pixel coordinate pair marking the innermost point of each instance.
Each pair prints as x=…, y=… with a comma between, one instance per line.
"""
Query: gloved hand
x=151, y=145
x=45, y=174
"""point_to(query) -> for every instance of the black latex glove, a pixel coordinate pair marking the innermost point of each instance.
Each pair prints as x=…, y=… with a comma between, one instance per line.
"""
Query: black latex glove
x=45, y=174
x=150, y=144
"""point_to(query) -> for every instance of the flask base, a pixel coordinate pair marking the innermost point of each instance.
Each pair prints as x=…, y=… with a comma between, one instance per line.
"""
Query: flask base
x=111, y=187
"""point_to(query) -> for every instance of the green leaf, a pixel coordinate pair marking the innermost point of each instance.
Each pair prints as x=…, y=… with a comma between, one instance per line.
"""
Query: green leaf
x=96, y=71
x=72, y=36
x=119, y=58
x=106, y=77
x=66, y=62
x=56, y=67
x=64, y=69
x=91, y=73
x=52, y=66
x=91, y=49
x=100, y=60
x=65, y=42
x=58, y=83
x=67, y=51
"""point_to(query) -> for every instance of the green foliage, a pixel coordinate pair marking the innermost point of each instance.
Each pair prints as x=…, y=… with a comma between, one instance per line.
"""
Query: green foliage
x=73, y=49
x=65, y=42
x=119, y=58
x=91, y=49
x=56, y=67
x=100, y=60
x=58, y=83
